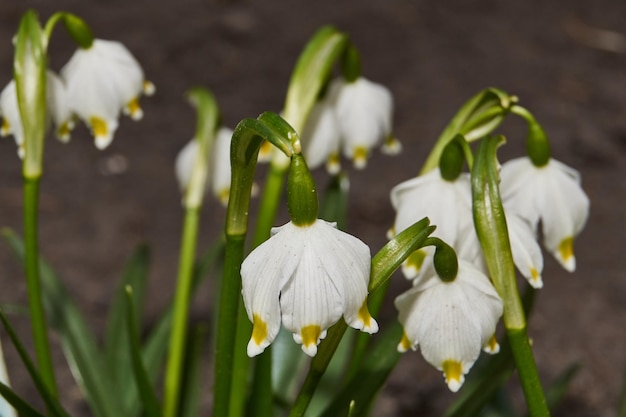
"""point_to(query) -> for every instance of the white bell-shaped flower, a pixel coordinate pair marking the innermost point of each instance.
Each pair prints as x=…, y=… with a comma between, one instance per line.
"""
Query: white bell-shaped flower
x=552, y=194
x=218, y=181
x=364, y=112
x=57, y=108
x=321, y=138
x=525, y=249
x=307, y=277
x=101, y=81
x=448, y=205
x=450, y=321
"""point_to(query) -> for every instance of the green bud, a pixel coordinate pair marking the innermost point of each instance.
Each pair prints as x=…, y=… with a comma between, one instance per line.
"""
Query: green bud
x=452, y=159
x=78, y=30
x=29, y=67
x=445, y=260
x=351, y=64
x=301, y=192
x=537, y=144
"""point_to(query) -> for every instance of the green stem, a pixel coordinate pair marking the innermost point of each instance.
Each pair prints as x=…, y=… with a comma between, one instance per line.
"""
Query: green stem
x=527, y=370
x=270, y=199
x=492, y=232
x=227, y=324
x=37, y=316
x=178, y=336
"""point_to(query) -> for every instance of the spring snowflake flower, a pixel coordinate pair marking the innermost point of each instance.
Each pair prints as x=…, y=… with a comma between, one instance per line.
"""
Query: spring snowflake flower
x=218, y=180
x=102, y=80
x=57, y=108
x=307, y=277
x=450, y=321
x=552, y=194
x=448, y=204
x=321, y=137
x=352, y=118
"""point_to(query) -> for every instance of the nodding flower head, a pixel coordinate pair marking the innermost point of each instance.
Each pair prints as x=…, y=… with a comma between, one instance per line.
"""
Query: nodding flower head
x=103, y=80
x=306, y=277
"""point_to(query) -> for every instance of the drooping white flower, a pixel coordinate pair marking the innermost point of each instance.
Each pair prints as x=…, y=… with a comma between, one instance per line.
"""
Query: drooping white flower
x=6, y=410
x=525, y=249
x=101, y=81
x=307, y=277
x=448, y=205
x=552, y=194
x=321, y=138
x=364, y=113
x=57, y=109
x=218, y=180
x=450, y=321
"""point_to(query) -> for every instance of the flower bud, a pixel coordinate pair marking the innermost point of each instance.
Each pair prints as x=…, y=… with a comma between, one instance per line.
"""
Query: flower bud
x=451, y=161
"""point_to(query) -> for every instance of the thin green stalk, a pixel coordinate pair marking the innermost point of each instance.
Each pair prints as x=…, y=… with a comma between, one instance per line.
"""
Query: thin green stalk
x=37, y=316
x=270, y=200
x=227, y=324
x=492, y=232
x=245, y=144
x=178, y=336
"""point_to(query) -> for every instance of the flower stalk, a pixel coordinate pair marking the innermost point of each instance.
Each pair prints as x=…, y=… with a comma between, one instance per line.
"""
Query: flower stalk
x=492, y=232
x=208, y=119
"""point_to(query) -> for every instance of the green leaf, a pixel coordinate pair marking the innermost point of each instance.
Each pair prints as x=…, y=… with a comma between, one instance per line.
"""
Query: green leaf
x=363, y=387
x=116, y=345
x=311, y=74
x=558, y=388
x=53, y=406
x=146, y=391
x=191, y=388
x=20, y=405
x=79, y=345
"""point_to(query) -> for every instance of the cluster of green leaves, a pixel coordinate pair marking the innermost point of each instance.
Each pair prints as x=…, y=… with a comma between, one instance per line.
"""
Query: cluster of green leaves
x=117, y=378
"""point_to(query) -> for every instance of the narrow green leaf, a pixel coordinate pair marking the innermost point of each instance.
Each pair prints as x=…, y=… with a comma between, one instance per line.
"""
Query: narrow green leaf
x=191, y=388
x=20, y=405
x=51, y=403
x=146, y=392
x=363, y=387
x=79, y=345
x=116, y=345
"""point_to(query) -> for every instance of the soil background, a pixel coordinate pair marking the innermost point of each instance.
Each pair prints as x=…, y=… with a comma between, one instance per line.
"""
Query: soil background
x=97, y=206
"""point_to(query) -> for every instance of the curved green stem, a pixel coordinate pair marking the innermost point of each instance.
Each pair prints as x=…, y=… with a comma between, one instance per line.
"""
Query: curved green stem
x=178, y=335
x=37, y=316
x=245, y=145
x=491, y=228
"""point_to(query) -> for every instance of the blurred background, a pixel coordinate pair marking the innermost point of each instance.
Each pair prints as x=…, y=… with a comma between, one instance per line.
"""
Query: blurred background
x=565, y=60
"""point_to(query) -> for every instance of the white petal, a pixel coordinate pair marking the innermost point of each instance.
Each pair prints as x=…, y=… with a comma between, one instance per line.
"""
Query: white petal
x=320, y=136
x=526, y=251
x=263, y=273
x=220, y=166
x=184, y=163
x=12, y=123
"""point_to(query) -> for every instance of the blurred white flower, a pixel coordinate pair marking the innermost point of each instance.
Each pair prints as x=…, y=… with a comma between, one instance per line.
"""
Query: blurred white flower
x=448, y=205
x=101, y=81
x=353, y=117
x=450, y=321
x=57, y=110
x=218, y=181
x=552, y=194
x=307, y=277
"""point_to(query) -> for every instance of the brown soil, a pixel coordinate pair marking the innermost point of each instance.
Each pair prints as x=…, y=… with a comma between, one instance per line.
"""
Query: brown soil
x=433, y=57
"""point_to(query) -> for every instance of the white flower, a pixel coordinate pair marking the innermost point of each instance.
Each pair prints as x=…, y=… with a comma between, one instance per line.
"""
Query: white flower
x=450, y=321
x=552, y=194
x=101, y=81
x=6, y=410
x=308, y=277
x=448, y=205
x=57, y=110
x=321, y=138
x=218, y=180
x=525, y=249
